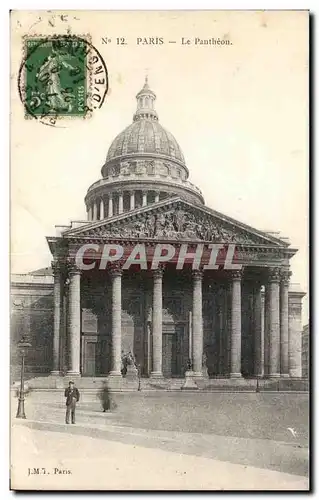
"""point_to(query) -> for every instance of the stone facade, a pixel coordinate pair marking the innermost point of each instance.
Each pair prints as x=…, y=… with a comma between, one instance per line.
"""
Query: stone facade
x=207, y=319
x=32, y=314
x=305, y=352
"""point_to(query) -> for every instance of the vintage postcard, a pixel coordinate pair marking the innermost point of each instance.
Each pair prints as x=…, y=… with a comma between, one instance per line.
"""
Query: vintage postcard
x=159, y=250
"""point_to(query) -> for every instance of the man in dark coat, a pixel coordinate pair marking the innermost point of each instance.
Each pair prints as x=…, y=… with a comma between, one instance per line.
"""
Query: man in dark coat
x=72, y=396
x=105, y=397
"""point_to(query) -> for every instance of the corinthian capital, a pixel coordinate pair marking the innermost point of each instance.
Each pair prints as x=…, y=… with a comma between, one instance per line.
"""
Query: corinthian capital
x=197, y=275
x=274, y=275
x=285, y=276
x=115, y=269
x=56, y=268
x=237, y=274
x=71, y=268
x=158, y=273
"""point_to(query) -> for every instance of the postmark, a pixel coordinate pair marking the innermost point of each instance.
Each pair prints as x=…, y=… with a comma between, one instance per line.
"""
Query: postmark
x=61, y=77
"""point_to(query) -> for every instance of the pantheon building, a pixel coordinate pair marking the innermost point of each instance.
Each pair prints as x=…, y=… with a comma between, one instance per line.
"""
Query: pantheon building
x=217, y=325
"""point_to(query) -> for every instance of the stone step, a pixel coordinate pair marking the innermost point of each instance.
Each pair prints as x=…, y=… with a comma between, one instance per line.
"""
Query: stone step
x=95, y=384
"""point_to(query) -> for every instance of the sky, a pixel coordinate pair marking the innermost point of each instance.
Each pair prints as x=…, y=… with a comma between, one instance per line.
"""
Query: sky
x=239, y=113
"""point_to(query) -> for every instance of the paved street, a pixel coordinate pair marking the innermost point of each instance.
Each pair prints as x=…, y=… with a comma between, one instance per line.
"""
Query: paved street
x=103, y=464
x=244, y=430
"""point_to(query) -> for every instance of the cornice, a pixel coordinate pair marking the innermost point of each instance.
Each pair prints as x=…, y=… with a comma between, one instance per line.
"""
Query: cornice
x=136, y=182
x=29, y=285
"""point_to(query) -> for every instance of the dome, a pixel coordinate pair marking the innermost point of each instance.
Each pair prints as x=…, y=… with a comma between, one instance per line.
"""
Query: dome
x=144, y=165
x=145, y=136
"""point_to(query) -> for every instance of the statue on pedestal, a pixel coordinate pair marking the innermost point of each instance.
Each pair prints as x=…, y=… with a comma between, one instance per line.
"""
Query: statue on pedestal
x=129, y=365
x=189, y=383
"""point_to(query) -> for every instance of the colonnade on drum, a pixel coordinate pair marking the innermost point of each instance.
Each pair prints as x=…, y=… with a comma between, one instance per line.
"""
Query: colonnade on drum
x=118, y=202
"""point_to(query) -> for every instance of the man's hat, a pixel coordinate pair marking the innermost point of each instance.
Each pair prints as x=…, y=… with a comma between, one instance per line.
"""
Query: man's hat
x=71, y=382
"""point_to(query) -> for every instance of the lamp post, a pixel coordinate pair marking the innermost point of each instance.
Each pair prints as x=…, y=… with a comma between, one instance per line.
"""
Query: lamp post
x=139, y=376
x=22, y=345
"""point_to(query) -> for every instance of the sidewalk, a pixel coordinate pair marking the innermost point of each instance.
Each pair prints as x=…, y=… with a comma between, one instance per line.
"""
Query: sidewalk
x=102, y=464
x=289, y=457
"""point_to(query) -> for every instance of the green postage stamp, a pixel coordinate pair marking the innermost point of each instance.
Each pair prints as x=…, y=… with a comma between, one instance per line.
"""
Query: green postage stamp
x=61, y=76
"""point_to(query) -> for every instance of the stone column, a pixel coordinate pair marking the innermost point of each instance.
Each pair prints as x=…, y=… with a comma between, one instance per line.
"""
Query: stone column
x=102, y=209
x=295, y=334
x=266, y=329
x=74, y=320
x=220, y=315
x=157, y=195
x=235, y=341
x=157, y=323
x=95, y=210
x=57, y=295
x=116, y=276
x=228, y=338
x=64, y=330
x=132, y=200
x=90, y=213
x=120, y=202
x=144, y=198
x=148, y=329
x=197, y=324
x=110, y=212
x=258, y=339
x=284, y=328
x=262, y=326
x=274, y=323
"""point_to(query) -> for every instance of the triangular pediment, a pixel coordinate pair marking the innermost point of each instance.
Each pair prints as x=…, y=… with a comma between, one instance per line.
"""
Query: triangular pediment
x=175, y=220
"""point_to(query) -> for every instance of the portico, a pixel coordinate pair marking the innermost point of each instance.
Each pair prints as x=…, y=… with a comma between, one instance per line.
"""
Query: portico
x=228, y=323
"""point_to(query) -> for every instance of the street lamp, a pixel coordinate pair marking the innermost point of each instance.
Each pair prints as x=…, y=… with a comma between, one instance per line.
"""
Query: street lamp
x=22, y=345
x=139, y=376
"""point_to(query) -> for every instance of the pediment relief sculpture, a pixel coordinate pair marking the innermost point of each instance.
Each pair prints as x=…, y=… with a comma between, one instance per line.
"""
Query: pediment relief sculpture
x=178, y=225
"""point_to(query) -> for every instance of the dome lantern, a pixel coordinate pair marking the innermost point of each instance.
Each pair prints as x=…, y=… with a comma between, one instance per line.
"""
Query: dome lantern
x=145, y=103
